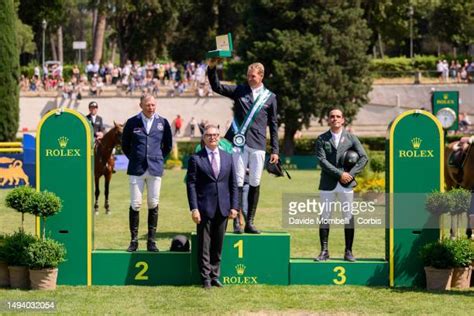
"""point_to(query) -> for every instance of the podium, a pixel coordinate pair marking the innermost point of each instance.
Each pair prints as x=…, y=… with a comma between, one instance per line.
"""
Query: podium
x=250, y=259
x=114, y=267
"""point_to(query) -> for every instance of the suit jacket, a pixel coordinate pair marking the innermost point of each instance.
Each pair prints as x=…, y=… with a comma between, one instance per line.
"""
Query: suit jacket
x=205, y=192
x=256, y=136
x=146, y=151
x=330, y=158
x=98, y=126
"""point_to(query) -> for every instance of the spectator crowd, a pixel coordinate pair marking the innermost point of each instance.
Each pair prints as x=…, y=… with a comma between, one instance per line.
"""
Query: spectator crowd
x=131, y=78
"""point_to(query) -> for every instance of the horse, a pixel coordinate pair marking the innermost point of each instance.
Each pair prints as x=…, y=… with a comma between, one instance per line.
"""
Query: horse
x=459, y=168
x=104, y=162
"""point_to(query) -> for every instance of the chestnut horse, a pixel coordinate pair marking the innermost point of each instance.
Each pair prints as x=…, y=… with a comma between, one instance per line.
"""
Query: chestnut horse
x=104, y=162
x=462, y=177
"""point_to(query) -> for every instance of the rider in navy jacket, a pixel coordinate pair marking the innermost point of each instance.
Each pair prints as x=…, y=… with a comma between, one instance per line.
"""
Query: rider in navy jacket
x=146, y=141
x=146, y=151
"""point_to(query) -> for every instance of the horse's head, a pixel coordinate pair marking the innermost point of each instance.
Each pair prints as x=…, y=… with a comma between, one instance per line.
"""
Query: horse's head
x=118, y=131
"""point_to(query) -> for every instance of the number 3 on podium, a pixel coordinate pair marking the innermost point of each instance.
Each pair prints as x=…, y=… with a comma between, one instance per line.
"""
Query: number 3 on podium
x=240, y=246
x=341, y=274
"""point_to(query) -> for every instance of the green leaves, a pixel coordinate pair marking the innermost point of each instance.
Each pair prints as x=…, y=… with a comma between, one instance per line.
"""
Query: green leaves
x=44, y=204
x=446, y=253
x=456, y=201
x=14, y=250
x=45, y=254
x=19, y=197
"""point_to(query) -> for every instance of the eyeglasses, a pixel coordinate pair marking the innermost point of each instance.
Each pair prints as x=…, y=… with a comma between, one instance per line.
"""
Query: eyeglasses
x=211, y=135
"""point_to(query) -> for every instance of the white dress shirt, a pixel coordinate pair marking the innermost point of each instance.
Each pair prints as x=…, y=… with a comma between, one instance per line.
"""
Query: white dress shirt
x=336, y=138
x=256, y=92
x=147, y=122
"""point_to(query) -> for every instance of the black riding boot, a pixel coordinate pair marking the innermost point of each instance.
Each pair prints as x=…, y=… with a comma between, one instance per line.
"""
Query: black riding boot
x=152, y=224
x=254, y=193
x=323, y=239
x=349, y=238
x=237, y=228
x=133, y=221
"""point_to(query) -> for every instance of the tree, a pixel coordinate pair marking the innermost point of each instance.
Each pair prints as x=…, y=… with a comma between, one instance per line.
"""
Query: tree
x=24, y=38
x=453, y=22
x=33, y=12
x=9, y=72
x=100, y=8
x=199, y=23
x=143, y=28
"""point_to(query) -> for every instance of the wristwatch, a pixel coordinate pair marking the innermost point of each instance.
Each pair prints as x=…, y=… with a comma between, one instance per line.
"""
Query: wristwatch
x=447, y=117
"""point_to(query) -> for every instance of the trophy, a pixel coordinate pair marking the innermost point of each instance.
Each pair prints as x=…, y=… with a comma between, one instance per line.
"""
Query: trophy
x=223, y=47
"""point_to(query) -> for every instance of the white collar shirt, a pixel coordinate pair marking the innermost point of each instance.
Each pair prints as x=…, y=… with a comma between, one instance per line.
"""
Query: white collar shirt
x=147, y=122
x=336, y=138
x=256, y=92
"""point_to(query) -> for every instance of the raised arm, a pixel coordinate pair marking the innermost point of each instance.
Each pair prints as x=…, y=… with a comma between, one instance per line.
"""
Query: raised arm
x=222, y=89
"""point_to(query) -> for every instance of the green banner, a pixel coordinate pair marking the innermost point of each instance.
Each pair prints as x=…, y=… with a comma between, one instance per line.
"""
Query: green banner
x=416, y=155
x=64, y=164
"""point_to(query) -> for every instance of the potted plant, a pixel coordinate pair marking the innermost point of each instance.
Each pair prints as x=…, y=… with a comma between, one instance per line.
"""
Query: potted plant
x=18, y=198
x=463, y=256
x=44, y=257
x=15, y=254
x=4, y=275
x=438, y=260
x=43, y=204
x=460, y=202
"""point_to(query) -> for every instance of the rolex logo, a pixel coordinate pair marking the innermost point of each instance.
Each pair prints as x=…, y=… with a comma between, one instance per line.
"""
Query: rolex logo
x=240, y=269
x=445, y=96
x=416, y=142
x=63, y=141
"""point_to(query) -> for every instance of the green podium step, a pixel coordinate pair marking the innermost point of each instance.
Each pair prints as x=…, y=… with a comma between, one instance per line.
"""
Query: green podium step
x=250, y=259
x=339, y=272
x=112, y=267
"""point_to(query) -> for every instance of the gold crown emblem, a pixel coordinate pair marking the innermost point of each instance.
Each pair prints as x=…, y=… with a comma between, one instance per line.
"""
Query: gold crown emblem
x=445, y=96
x=240, y=269
x=63, y=141
x=416, y=142
x=287, y=161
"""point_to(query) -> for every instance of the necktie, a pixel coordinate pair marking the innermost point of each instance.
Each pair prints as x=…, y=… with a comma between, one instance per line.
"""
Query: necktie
x=215, y=169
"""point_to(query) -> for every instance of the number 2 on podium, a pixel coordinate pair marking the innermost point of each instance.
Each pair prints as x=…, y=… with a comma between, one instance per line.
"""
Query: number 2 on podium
x=240, y=246
x=141, y=274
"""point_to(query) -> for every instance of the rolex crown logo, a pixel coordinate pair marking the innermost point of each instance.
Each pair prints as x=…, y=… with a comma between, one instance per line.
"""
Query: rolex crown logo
x=416, y=142
x=240, y=269
x=445, y=96
x=63, y=141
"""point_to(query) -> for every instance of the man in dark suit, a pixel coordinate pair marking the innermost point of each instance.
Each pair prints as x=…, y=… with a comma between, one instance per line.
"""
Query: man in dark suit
x=255, y=108
x=146, y=141
x=96, y=120
x=213, y=197
x=337, y=183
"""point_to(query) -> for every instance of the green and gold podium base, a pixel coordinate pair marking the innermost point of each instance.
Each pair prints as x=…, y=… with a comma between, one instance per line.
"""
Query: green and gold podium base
x=113, y=267
x=372, y=272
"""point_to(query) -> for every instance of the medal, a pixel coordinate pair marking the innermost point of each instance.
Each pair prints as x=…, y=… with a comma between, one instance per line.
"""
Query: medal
x=239, y=140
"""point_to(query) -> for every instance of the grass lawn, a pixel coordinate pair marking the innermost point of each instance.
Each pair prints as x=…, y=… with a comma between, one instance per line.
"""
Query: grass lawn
x=111, y=232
